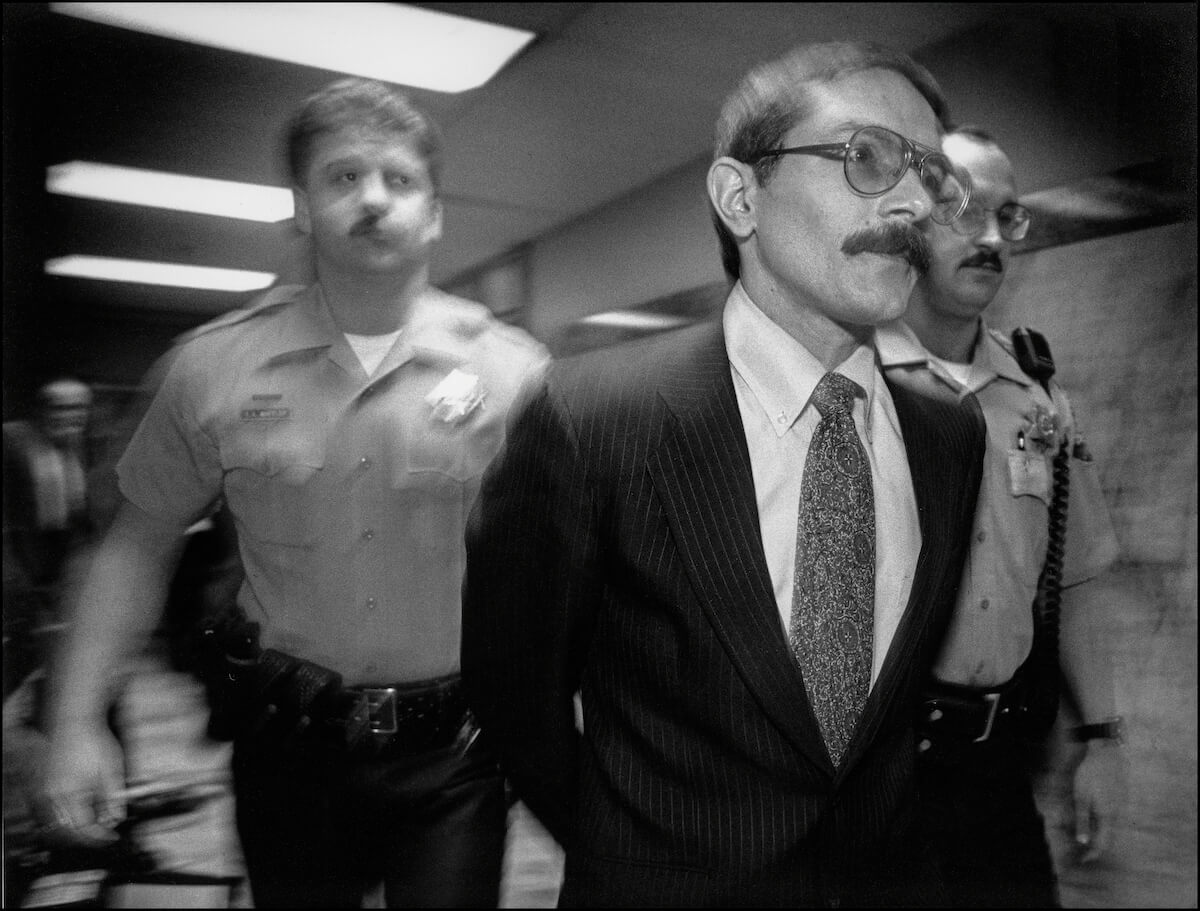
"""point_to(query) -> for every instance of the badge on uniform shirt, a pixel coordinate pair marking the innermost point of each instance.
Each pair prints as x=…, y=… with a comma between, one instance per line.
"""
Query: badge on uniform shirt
x=1041, y=431
x=455, y=397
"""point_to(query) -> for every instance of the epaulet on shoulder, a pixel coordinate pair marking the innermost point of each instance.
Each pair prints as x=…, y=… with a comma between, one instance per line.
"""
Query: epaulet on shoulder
x=472, y=320
x=1003, y=340
x=265, y=302
x=466, y=318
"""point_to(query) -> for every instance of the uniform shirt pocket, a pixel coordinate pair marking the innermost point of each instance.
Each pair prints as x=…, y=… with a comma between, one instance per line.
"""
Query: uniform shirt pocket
x=1029, y=475
x=439, y=450
x=273, y=480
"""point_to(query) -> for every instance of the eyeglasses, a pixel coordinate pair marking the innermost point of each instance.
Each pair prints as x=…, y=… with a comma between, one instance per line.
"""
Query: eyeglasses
x=876, y=158
x=1011, y=218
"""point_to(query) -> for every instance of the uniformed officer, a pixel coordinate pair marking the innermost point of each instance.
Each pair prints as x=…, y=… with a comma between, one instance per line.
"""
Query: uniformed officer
x=976, y=789
x=345, y=427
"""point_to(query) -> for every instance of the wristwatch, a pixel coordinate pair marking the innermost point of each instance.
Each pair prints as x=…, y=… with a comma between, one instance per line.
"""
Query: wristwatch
x=1109, y=729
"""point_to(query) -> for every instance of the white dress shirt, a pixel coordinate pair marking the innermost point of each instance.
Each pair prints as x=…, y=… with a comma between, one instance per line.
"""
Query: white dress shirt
x=774, y=376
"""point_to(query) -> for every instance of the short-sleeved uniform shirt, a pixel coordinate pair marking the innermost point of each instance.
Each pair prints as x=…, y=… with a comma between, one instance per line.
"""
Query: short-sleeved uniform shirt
x=349, y=493
x=991, y=632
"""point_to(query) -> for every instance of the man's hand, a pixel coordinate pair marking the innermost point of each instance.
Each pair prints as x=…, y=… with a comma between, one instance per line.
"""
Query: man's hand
x=78, y=801
x=1101, y=783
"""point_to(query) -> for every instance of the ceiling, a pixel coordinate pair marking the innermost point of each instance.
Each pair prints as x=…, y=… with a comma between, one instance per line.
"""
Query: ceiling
x=608, y=98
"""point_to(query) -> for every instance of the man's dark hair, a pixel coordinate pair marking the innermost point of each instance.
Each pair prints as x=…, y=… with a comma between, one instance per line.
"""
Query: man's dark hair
x=774, y=97
x=350, y=103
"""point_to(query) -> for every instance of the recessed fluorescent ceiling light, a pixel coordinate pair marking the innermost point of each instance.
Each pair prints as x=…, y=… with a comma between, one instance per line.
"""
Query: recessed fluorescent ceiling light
x=252, y=202
x=389, y=41
x=630, y=319
x=147, y=273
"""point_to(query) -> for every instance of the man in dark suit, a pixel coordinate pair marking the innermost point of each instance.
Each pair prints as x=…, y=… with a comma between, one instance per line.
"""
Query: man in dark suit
x=744, y=618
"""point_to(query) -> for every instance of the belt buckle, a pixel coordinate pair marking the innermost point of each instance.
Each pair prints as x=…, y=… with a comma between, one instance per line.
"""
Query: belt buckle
x=378, y=706
x=993, y=700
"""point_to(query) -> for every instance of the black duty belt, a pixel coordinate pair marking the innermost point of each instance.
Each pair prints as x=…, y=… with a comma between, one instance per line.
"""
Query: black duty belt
x=403, y=718
x=957, y=720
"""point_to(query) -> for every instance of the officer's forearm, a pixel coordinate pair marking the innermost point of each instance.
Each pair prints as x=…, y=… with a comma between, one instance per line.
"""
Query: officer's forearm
x=117, y=606
x=1086, y=663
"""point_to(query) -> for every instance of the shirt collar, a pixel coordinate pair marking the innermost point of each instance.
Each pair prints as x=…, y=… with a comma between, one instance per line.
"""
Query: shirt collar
x=434, y=328
x=991, y=356
x=781, y=372
x=899, y=346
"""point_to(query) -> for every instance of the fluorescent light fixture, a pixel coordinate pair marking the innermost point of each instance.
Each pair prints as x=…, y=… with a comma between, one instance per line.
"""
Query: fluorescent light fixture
x=631, y=319
x=176, y=275
x=162, y=190
x=389, y=41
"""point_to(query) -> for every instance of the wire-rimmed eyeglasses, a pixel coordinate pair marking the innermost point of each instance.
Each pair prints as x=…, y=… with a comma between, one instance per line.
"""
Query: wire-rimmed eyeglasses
x=875, y=158
x=1012, y=219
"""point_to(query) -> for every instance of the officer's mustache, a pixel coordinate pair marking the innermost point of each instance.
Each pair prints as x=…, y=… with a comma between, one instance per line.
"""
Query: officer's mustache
x=984, y=258
x=366, y=225
x=892, y=239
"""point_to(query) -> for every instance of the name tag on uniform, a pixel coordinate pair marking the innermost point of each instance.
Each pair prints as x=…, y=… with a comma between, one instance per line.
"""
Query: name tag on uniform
x=265, y=414
x=1028, y=475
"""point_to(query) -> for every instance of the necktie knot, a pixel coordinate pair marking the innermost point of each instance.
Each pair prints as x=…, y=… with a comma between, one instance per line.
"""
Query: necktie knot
x=835, y=394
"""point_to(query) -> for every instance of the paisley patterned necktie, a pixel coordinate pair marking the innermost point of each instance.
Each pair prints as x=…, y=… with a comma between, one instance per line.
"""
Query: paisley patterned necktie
x=833, y=602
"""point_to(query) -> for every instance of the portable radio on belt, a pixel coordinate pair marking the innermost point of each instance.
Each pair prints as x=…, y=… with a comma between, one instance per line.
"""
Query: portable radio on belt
x=1040, y=706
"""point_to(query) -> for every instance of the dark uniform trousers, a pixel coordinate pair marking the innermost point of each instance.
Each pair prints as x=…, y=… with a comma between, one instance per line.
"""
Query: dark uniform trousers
x=984, y=789
x=319, y=829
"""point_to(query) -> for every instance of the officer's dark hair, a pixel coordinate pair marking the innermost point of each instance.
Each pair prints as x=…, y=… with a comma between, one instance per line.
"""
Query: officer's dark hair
x=776, y=96
x=361, y=103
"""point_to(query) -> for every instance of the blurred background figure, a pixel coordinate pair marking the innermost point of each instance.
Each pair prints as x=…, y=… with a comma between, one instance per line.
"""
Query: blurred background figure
x=46, y=521
x=45, y=518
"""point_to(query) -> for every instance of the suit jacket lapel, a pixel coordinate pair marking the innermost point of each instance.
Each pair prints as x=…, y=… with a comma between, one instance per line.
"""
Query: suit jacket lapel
x=702, y=474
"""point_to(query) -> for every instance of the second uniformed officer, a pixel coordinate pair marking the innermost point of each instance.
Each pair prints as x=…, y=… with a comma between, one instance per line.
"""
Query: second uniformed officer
x=994, y=685
x=345, y=426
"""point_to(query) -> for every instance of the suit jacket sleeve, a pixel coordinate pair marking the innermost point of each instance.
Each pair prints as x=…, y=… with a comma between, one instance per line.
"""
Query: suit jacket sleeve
x=528, y=598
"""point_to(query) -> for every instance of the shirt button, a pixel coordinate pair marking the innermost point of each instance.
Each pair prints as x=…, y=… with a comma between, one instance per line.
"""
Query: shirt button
x=924, y=745
x=782, y=419
x=985, y=604
x=364, y=463
x=368, y=534
x=935, y=715
x=981, y=537
x=370, y=604
x=366, y=392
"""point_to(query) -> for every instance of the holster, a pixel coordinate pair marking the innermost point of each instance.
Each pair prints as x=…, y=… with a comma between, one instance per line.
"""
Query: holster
x=227, y=653
x=257, y=692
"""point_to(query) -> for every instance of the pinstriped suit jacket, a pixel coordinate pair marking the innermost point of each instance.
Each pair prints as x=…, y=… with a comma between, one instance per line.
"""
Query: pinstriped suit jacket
x=615, y=549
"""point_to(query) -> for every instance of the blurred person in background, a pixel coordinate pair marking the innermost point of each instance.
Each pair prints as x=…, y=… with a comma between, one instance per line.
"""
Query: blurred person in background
x=46, y=519
x=46, y=525
x=344, y=426
x=736, y=542
x=995, y=687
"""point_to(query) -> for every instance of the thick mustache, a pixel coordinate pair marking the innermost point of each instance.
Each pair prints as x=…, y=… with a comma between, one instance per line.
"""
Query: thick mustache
x=366, y=225
x=891, y=239
x=984, y=258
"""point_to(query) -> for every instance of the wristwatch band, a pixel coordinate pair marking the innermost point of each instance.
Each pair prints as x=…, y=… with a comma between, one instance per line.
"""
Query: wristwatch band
x=1109, y=729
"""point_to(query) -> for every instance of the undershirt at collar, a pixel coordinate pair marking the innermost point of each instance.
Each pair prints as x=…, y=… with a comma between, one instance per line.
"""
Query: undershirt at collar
x=372, y=349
